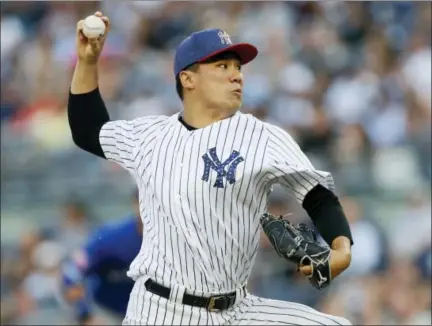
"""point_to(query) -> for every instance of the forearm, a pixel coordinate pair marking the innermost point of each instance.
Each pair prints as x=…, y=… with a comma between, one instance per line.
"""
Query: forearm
x=341, y=247
x=342, y=244
x=87, y=112
x=85, y=78
x=329, y=218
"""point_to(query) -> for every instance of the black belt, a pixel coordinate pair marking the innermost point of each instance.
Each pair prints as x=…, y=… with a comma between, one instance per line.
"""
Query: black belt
x=212, y=303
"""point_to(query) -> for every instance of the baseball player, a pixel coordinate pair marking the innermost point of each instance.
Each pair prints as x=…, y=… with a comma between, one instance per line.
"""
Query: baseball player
x=94, y=279
x=204, y=175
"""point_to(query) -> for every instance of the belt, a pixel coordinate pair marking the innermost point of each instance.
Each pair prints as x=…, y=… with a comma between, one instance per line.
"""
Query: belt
x=212, y=303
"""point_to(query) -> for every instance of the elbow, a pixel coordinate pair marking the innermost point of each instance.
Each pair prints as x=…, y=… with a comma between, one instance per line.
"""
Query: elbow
x=88, y=140
x=87, y=114
x=343, y=245
x=85, y=134
x=75, y=138
x=78, y=136
x=75, y=130
x=78, y=140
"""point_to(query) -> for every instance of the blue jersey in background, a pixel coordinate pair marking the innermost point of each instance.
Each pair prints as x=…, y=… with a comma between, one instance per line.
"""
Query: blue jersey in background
x=101, y=266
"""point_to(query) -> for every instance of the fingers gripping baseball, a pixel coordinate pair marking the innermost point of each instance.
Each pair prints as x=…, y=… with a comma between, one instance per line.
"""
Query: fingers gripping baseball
x=90, y=44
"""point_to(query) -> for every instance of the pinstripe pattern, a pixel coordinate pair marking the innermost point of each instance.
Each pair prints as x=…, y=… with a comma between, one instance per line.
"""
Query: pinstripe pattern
x=201, y=231
x=248, y=310
x=290, y=167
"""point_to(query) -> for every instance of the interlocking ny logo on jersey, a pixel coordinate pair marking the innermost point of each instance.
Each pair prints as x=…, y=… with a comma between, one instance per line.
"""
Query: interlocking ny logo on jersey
x=212, y=162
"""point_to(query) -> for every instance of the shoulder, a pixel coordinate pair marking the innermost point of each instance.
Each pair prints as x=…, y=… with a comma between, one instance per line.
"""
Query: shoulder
x=270, y=131
x=140, y=125
x=273, y=129
x=251, y=123
x=151, y=124
x=150, y=120
x=259, y=123
x=135, y=125
x=248, y=117
x=279, y=135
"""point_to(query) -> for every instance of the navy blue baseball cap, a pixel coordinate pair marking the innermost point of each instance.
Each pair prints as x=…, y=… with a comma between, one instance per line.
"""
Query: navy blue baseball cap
x=202, y=45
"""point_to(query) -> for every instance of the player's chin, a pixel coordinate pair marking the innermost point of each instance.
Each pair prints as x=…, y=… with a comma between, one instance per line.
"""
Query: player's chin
x=235, y=102
x=234, y=106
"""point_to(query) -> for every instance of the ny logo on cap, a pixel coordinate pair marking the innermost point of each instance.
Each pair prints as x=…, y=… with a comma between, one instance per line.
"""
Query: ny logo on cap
x=224, y=37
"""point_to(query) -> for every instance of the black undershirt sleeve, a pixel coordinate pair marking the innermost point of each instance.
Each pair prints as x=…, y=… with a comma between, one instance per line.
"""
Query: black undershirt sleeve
x=327, y=214
x=87, y=114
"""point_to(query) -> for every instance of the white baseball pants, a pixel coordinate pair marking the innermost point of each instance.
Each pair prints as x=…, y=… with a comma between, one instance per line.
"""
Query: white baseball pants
x=146, y=308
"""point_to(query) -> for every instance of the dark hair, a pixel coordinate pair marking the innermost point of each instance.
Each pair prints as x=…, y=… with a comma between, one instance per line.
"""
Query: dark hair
x=195, y=66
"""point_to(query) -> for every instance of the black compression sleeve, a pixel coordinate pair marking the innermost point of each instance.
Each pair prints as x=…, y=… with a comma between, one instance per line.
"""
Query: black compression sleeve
x=87, y=114
x=327, y=214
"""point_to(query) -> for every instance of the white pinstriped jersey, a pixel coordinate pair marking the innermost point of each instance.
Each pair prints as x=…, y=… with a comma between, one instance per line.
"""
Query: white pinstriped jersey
x=202, y=193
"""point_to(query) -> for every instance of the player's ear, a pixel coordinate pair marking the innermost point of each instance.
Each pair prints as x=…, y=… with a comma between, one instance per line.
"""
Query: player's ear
x=187, y=79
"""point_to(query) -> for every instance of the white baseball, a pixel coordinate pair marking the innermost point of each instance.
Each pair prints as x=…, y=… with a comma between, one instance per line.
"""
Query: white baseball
x=93, y=26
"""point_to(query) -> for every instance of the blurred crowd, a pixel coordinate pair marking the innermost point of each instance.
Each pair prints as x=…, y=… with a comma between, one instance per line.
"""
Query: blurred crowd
x=350, y=81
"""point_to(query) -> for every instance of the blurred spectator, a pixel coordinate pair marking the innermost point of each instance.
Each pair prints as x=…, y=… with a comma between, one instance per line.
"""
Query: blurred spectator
x=403, y=299
x=416, y=70
x=424, y=262
x=39, y=292
x=369, y=254
x=418, y=226
x=73, y=227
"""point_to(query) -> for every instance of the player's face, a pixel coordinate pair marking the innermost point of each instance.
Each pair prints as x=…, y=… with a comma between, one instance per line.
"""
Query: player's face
x=220, y=84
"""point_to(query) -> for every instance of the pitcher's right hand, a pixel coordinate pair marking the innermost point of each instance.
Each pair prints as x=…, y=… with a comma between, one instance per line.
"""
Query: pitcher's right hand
x=89, y=49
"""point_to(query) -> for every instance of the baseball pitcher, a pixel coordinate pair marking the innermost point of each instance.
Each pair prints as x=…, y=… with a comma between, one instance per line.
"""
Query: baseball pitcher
x=204, y=176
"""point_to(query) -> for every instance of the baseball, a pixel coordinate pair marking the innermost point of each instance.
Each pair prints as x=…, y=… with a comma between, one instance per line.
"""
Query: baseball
x=93, y=26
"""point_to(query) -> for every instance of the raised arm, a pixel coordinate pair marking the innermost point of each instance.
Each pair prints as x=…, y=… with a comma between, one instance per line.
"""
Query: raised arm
x=89, y=121
x=86, y=110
